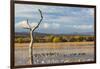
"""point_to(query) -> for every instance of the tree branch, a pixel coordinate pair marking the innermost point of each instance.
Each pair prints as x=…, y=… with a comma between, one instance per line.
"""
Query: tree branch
x=28, y=25
x=26, y=28
x=33, y=28
x=39, y=21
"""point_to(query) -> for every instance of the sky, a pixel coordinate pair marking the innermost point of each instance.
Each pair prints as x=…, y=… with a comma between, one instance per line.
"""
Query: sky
x=56, y=19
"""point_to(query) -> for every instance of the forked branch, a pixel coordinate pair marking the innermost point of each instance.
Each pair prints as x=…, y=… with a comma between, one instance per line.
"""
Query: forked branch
x=29, y=27
x=33, y=28
x=40, y=20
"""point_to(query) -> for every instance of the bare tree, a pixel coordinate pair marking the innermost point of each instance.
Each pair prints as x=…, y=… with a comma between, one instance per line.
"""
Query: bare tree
x=32, y=29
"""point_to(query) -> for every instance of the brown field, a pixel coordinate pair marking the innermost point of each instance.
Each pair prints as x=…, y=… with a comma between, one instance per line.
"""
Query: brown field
x=53, y=45
x=71, y=49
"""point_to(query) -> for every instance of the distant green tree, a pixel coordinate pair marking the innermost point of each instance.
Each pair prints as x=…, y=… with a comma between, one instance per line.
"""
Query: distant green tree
x=91, y=38
x=26, y=40
x=73, y=39
x=51, y=37
x=81, y=38
x=20, y=40
x=57, y=39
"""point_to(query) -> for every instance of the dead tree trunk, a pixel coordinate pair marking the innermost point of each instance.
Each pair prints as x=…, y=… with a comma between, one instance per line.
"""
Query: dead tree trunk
x=30, y=48
x=32, y=29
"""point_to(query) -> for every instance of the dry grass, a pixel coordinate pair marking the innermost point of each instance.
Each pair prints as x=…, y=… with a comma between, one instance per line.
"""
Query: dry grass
x=55, y=45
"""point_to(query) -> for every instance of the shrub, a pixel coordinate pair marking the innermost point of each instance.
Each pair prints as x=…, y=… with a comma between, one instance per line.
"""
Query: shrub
x=19, y=40
x=81, y=38
x=73, y=39
x=57, y=39
x=51, y=37
x=90, y=38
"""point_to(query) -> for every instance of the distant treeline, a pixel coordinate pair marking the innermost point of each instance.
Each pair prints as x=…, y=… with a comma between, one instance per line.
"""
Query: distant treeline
x=53, y=38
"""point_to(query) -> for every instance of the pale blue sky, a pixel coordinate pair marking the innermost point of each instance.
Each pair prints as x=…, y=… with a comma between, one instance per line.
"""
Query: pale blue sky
x=56, y=19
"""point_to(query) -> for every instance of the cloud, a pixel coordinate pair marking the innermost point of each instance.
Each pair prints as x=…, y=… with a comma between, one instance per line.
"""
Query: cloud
x=91, y=11
x=83, y=27
x=23, y=24
x=54, y=18
x=45, y=25
x=55, y=25
x=88, y=12
x=50, y=26
x=52, y=13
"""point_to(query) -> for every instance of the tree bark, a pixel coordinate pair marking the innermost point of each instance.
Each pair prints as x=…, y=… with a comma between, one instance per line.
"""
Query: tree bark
x=31, y=48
